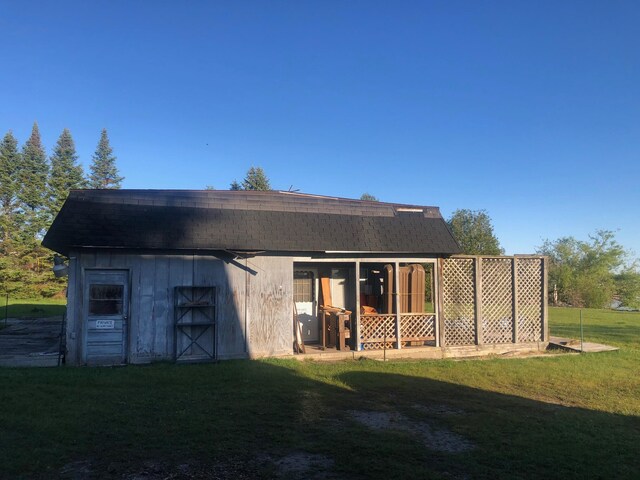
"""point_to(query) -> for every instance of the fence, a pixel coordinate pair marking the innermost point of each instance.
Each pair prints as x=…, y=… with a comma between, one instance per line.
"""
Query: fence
x=415, y=328
x=490, y=300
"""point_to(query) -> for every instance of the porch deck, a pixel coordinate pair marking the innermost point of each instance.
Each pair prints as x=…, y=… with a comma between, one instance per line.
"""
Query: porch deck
x=315, y=352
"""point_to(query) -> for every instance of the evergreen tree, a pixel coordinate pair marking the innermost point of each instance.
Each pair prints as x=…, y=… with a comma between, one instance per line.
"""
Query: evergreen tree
x=104, y=173
x=32, y=176
x=9, y=184
x=255, y=179
x=66, y=174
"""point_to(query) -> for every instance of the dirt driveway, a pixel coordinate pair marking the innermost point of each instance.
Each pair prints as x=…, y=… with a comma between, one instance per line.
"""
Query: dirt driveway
x=32, y=342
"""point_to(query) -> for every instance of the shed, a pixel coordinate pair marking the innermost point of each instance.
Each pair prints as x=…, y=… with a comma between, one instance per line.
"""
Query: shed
x=202, y=275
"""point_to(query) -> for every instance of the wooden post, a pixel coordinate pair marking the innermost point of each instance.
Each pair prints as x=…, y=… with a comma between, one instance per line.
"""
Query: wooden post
x=514, y=296
x=356, y=331
x=396, y=281
x=545, y=297
x=440, y=337
x=478, y=300
x=74, y=309
x=247, y=286
x=435, y=298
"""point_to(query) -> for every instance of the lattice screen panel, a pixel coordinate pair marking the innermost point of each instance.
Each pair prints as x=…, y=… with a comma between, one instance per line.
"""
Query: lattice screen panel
x=530, y=281
x=417, y=327
x=373, y=329
x=497, y=300
x=458, y=301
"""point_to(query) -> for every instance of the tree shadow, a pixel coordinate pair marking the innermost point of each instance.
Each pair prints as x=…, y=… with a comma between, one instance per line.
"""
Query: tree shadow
x=32, y=310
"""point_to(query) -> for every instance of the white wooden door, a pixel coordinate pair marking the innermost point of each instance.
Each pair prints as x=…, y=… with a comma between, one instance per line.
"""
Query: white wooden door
x=304, y=296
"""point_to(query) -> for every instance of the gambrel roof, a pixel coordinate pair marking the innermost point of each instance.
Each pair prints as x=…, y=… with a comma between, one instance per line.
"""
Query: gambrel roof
x=272, y=221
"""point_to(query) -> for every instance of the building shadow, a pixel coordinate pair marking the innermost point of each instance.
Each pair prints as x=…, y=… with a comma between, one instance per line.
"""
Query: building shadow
x=283, y=419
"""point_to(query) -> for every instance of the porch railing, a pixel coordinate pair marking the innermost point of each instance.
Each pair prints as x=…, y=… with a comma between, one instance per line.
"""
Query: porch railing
x=417, y=328
x=378, y=329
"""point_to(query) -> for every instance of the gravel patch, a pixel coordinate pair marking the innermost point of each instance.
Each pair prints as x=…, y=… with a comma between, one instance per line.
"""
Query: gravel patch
x=438, y=439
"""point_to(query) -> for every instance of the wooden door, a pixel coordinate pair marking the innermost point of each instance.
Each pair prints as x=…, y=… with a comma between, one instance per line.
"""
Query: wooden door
x=106, y=309
x=304, y=283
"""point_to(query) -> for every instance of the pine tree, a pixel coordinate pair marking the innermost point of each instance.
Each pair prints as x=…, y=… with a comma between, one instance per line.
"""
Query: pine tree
x=104, y=173
x=9, y=169
x=255, y=179
x=66, y=174
x=32, y=176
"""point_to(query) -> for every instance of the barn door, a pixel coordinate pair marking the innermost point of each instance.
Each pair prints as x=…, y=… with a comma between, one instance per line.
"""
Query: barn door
x=106, y=312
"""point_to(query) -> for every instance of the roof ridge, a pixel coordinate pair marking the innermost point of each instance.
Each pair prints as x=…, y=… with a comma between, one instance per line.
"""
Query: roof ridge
x=239, y=193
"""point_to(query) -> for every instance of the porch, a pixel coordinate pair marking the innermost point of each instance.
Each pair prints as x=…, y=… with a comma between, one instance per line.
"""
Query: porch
x=427, y=307
x=365, y=305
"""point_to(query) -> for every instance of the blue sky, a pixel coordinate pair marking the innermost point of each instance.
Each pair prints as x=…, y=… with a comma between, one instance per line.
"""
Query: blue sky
x=530, y=110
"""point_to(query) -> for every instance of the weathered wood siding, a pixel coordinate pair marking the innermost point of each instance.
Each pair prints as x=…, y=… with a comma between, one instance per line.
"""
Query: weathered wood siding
x=254, y=321
x=270, y=306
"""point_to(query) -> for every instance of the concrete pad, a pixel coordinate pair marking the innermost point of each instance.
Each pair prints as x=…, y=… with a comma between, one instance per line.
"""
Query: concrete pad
x=573, y=345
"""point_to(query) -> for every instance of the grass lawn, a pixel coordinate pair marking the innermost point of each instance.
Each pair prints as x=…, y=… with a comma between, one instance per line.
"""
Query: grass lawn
x=32, y=308
x=562, y=416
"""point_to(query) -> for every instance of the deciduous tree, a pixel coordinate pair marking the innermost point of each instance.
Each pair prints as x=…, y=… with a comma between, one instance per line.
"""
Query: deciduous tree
x=589, y=274
x=628, y=286
x=368, y=197
x=474, y=232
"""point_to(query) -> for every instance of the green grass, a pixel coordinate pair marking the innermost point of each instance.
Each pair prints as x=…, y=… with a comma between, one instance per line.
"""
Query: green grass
x=563, y=416
x=604, y=326
x=33, y=307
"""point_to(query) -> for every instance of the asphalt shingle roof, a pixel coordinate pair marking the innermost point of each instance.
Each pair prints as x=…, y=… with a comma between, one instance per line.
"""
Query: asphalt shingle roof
x=243, y=220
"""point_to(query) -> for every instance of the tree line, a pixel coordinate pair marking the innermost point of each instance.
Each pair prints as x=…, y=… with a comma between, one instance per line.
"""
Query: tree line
x=590, y=273
x=33, y=187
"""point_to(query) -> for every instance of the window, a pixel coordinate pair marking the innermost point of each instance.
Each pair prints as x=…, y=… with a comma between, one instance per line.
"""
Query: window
x=105, y=299
x=303, y=287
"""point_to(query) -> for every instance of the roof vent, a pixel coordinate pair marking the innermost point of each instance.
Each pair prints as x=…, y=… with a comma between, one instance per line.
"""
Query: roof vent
x=409, y=210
